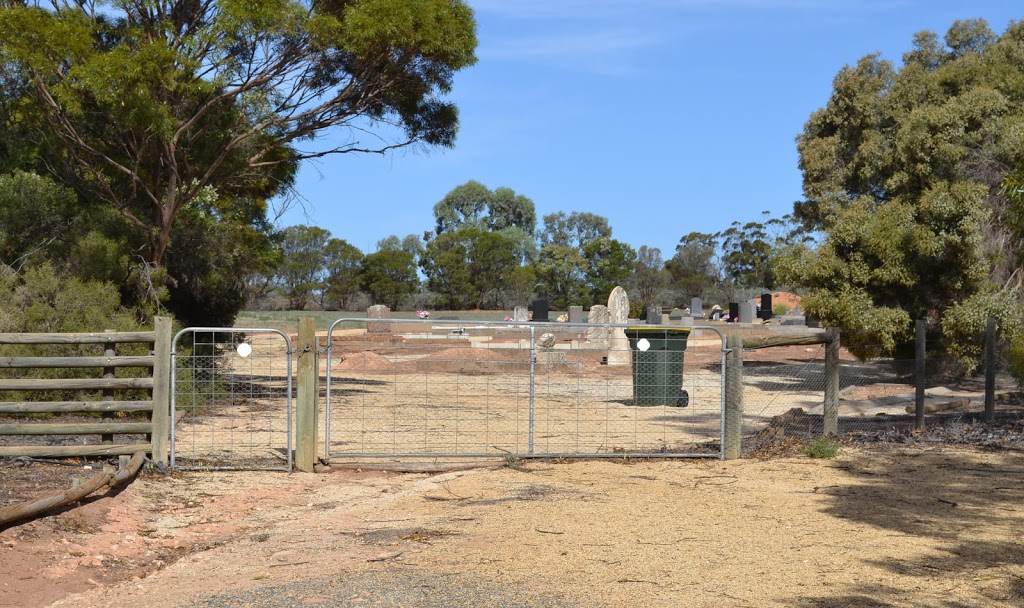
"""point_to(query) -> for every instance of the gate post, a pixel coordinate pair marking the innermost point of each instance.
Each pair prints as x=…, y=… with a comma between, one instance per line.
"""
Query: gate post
x=161, y=390
x=733, y=419
x=830, y=408
x=306, y=394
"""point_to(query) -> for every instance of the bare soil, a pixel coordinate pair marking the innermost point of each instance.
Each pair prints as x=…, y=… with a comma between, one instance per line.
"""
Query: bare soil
x=882, y=526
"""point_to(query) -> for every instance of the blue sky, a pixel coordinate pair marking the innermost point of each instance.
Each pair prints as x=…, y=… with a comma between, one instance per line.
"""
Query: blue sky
x=665, y=116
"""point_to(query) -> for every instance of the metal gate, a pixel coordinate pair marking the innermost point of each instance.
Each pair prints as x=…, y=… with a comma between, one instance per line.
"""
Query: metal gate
x=231, y=399
x=453, y=389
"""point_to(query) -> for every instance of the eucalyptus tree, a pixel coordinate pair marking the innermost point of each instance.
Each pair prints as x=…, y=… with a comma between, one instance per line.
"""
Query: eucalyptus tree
x=904, y=172
x=150, y=105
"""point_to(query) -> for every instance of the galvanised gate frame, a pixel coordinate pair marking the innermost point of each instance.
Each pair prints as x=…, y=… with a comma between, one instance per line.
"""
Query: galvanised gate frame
x=231, y=399
x=453, y=389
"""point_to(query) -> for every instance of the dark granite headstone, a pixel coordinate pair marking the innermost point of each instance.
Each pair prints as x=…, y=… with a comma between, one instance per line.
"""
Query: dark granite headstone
x=654, y=315
x=540, y=310
x=734, y=312
x=766, y=306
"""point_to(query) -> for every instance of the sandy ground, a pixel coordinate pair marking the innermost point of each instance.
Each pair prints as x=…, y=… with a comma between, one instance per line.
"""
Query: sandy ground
x=881, y=527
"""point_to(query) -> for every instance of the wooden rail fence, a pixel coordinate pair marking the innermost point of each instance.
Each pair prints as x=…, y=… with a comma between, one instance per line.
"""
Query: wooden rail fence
x=156, y=429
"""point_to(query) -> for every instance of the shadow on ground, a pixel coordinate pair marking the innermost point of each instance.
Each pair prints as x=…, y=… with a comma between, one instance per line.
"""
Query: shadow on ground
x=950, y=497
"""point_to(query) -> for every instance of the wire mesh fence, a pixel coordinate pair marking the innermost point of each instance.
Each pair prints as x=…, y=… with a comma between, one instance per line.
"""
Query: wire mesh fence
x=784, y=391
x=231, y=399
x=450, y=389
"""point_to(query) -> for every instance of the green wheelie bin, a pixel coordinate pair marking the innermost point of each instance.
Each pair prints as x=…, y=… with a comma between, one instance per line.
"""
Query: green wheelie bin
x=658, y=364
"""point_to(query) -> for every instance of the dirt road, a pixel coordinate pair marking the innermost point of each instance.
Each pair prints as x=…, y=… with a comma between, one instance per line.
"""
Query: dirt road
x=880, y=527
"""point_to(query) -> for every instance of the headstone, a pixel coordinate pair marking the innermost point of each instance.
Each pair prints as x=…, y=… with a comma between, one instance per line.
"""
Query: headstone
x=716, y=313
x=378, y=311
x=540, y=310
x=654, y=315
x=598, y=315
x=575, y=314
x=546, y=340
x=696, y=308
x=618, y=343
x=766, y=306
x=675, y=316
x=734, y=312
x=747, y=311
x=520, y=314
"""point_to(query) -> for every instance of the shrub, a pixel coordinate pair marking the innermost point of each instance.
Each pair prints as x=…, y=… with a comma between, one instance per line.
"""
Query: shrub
x=965, y=323
x=822, y=447
x=1016, y=360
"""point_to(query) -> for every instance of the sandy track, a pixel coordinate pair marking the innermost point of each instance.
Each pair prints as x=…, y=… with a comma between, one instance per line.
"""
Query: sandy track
x=872, y=528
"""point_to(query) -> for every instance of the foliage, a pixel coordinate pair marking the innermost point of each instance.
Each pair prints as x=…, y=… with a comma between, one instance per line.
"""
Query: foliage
x=1016, y=359
x=389, y=276
x=561, y=275
x=965, y=324
x=35, y=213
x=609, y=263
x=178, y=118
x=219, y=245
x=822, y=447
x=649, y=275
x=693, y=270
x=444, y=263
x=474, y=205
x=749, y=250
x=43, y=299
x=343, y=262
x=905, y=173
x=574, y=230
x=577, y=254
x=301, y=270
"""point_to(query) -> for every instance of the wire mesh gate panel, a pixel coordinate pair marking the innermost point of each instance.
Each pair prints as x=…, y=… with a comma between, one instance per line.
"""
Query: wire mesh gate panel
x=231, y=399
x=408, y=388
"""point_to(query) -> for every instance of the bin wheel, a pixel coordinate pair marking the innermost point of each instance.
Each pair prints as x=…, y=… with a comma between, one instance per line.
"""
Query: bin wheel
x=683, y=400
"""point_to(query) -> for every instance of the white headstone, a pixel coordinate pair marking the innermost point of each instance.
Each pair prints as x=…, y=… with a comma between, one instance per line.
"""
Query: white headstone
x=598, y=335
x=378, y=311
x=520, y=314
x=618, y=311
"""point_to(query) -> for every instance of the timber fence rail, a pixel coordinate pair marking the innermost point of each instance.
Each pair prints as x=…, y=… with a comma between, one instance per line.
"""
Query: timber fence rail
x=112, y=425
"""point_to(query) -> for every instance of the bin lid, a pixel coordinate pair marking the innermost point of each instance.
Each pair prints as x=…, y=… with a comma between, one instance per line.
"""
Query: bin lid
x=662, y=329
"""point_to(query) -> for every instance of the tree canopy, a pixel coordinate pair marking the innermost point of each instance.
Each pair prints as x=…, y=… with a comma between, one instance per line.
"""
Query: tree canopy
x=182, y=114
x=904, y=172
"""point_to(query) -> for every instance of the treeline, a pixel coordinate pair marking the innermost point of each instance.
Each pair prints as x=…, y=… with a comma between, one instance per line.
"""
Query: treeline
x=486, y=251
x=138, y=174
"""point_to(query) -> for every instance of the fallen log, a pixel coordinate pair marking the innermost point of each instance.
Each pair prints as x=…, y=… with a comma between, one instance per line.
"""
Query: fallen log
x=37, y=506
x=944, y=406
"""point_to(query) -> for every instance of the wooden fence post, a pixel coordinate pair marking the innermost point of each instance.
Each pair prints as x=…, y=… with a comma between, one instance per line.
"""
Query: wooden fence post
x=306, y=396
x=161, y=390
x=109, y=351
x=733, y=423
x=830, y=408
x=990, y=370
x=919, y=373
